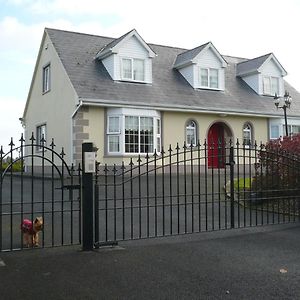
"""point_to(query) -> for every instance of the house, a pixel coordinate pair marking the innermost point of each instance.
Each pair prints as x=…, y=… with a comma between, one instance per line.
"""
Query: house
x=130, y=97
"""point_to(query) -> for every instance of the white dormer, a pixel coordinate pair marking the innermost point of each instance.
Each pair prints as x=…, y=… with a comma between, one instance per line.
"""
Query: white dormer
x=203, y=67
x=128, y=58
x=263, y=74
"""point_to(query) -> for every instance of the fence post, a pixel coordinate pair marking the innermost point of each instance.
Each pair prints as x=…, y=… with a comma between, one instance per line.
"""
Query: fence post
x=231, y=163
x=88, y=166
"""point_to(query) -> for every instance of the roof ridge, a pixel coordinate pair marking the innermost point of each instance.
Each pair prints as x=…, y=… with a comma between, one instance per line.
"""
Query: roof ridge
x=268, y=54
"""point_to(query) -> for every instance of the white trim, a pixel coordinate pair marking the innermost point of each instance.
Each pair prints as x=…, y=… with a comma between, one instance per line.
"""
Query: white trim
x=178, y=108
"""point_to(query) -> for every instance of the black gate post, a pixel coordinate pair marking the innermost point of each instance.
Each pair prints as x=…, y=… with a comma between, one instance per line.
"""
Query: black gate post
x=232, y=163
x=87, y=196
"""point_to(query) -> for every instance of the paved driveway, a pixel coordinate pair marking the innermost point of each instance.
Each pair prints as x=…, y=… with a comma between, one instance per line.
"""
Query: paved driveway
x=257, y=263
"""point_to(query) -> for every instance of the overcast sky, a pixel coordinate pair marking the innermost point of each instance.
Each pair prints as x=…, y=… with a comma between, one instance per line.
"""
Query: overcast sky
x=237, y=28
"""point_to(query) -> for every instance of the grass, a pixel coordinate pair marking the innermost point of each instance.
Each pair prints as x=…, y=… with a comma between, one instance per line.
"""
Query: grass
x=242, y=183
x=16, y=167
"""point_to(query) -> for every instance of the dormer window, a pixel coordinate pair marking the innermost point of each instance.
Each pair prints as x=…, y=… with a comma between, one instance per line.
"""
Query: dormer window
x=209, y=78
x=133, y=69
x=270, y=85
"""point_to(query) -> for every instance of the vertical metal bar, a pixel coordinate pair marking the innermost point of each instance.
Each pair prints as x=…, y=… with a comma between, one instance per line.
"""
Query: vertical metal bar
x=232, y=216
x=71, y=201
x=106, y=204
x=206, y=186
x=192, y=186
x=80, y=202
x=131, y=199
x=52, y=145
x=177, y=182
x=238, y=180
x=11, y=192
x=96, y=204
x=147, y=176
x=62, y=195
x=115, y=203
x=244, y=189
x=163, y=188
x=170, y=190
x=212, y=187
x=22, y=186
x=185, y=189
x=199, y=183
x=155, y=190
x=43, y=186
x=32, y=179
x=123, y=200
x=140, y=197
x=261, y=188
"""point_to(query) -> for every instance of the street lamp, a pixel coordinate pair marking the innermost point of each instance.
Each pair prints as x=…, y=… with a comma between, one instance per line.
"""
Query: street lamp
x=287, y=104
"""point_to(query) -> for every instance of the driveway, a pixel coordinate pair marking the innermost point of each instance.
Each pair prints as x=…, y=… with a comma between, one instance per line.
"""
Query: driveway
x=257, y=263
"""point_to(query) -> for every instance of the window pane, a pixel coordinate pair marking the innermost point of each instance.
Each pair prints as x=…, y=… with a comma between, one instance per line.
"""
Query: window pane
x=127, y=68
x=113, y=143
x=46, y=79
x=275, y=85
x=138, y=70
x=158, y=126
x=247, y=135
x=41, y=135
x=191, y=133
x=274, y=131
x=113, y=125
x=204, y=77
x=146, y=134
x=214, y=78
x=296, y=129
x=131, y=134
x=267, y=86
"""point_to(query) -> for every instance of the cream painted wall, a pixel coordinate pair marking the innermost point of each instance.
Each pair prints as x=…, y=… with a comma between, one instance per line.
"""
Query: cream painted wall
x=173, y=126
x=55, y=107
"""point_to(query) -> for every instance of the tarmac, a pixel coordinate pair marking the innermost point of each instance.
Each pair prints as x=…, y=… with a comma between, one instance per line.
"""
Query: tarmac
x=251, y=263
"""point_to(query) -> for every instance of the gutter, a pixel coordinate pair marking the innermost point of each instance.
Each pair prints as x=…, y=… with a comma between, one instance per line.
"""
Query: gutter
x=178, y=108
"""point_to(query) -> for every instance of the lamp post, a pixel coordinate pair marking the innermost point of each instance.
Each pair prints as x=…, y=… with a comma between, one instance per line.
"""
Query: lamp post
x=287, y=104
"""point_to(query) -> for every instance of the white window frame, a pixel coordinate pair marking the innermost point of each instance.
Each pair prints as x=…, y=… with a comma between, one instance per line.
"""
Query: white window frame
x=122, y=114
x=194, y=129
x=208, y=86
x=270, y=91
x=111, y=134
x=132, y=61
x=247, y=127
x=41, y=132
x=46, y=84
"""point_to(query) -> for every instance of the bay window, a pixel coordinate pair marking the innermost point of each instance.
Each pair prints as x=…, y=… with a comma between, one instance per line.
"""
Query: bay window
x=133, y=131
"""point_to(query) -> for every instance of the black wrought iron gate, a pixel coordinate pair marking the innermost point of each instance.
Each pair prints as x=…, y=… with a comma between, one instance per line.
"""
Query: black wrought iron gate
x=36, y=181
x=178, y=192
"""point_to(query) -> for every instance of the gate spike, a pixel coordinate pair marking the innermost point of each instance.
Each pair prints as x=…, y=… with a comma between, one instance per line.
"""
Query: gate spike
x=237, y=142
x=198, y=143
x=177, y=147
x=123, y=166
x=131, y=162
x=170, y=149
x=105, y=168
x=115, y=169
x=1, y=151
x=184, y=145
x=155, y=153
x=139, y=159
x=22, y=140
x=32, y=138
x=79, y=167
x=147, y=156
x=162, y=151
x=62, y=153
x=52, y=145
x=11, y=144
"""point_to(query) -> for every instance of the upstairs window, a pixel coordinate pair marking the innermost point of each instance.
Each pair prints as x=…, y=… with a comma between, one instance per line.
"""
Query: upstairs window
x=46, y=79
x=271, y=85
x=133, y=69
x=209, y=78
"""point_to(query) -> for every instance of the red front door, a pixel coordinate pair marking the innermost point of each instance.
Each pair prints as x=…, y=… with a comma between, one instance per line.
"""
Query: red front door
x=216, y=146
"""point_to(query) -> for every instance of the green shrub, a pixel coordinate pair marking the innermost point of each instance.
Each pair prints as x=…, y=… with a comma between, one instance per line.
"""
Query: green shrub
x=16, y=167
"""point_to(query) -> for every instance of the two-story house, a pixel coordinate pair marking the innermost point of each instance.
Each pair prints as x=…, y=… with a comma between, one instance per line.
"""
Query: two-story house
x=130, y=97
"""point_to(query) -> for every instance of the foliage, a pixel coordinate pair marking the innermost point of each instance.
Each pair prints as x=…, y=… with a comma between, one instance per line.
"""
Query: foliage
x=16, y=166
x=278, y=169
x=242, y=183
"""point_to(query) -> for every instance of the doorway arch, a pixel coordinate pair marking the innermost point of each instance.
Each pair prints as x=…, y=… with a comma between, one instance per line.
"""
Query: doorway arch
x=218, y=134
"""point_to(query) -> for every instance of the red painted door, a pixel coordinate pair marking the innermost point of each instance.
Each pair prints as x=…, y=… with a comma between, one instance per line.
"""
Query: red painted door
x=216, y=146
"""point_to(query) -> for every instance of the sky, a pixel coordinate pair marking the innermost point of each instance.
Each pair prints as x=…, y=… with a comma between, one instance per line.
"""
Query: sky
x=239, y=28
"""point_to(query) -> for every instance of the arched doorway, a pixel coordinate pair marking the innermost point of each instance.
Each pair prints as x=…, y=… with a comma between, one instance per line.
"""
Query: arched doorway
x=217, y=136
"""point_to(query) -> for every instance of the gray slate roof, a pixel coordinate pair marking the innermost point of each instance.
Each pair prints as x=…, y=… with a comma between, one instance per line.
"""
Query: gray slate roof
x=251, y=64
x=189, y=55
x=169, y=89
